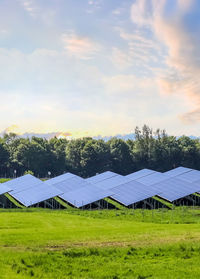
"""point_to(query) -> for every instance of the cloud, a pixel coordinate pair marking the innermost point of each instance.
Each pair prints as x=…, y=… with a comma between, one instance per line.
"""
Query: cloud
x=121, y=59
x=141, y=12
x=141, y=51
x=116, y=12
x=126, y=84
x=182, y=43
x=185, y=5
x=191, y=116
x=29, y=6
x=79, y=47
x=94, y=5
x=3, y=32
x=55, y=97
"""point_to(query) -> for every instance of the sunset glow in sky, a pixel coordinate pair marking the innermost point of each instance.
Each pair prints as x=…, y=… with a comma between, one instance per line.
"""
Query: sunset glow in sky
x=99, y=67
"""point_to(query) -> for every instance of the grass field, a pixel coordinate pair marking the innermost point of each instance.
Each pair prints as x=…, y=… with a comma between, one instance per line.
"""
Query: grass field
x=37, y=243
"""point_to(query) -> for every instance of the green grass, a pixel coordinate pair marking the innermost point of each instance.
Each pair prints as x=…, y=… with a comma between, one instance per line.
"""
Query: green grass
x=40, y=243
x=2, y=180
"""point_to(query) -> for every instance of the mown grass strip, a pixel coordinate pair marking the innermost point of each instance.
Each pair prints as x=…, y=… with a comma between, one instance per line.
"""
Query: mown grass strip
x=167, y=204
x=2, y=180
x=64, y=204
x=16, y=203
x=196, y=194
x=116, y=204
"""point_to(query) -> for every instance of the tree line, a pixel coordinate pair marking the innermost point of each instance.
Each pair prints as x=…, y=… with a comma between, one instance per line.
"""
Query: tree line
x=86, y=157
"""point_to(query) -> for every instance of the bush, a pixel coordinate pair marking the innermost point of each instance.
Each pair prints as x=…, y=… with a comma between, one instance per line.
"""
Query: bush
x=29, y=172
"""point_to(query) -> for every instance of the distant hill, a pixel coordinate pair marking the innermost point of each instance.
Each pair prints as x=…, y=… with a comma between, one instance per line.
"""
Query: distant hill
x=119, y=136
x=60, y=135
x=48, y=136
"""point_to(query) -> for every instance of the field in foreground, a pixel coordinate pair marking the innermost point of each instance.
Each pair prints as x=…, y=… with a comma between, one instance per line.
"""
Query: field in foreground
x=38, y=243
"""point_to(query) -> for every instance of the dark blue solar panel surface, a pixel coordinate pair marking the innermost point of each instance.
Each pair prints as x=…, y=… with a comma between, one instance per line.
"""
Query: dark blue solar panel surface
x=174, y=188
x=60, y=178
x=190, y=176
x=139, y=174
x=38, y=193
x=151, y=179
x=100, y=177
x=112, y=182
x=4, y=189
x=85, y=195
x=177, y=171
x=133, y=192
x=22, y=183
x=71, y=184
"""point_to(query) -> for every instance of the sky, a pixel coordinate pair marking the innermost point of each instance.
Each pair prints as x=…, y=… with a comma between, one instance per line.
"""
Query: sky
x=99, y=67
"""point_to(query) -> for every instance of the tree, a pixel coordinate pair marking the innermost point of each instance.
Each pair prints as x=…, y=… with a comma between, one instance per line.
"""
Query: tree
x=190, y=152
x=29, y=172
x=73, y=155
x=121, y=160
x=95, y=157
x=143, y=147
x=58, y=147
x=86, y=157
x=4, y=157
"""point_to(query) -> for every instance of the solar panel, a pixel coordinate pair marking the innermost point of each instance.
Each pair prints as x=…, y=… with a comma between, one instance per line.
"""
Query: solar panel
x=112, y=182
x=151, y=179
x=133, y=192
x=22, y=183
x=174, y=188
x=36, y=194
x=71, y=184
x=177, y=171
x=59, y=178
x=190, y=176
x=85, y=195
x=100, y=177
x=139, y=174
x=4, y=189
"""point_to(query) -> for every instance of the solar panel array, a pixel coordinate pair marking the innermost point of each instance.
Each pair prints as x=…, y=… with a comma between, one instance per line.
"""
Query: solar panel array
x=177, y=171
x=174, y=188
x=100, y=177
x=36, y=194
x=133, y=192
x=152, y=178
x=112, y=182
x=130, y=189
x=68, y=183
x=4, y=189
x=22, y=183
x=85, y=195
x=59, y=178
x=190, y=176
x=29, y=190
x=139, y=174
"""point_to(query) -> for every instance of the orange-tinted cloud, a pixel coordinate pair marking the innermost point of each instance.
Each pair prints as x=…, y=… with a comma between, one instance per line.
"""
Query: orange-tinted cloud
x=80, y=47
x=182, y=75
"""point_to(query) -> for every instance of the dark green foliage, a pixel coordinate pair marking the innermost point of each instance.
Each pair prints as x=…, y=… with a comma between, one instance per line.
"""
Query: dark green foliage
x=121, y=158
x=87, y=157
